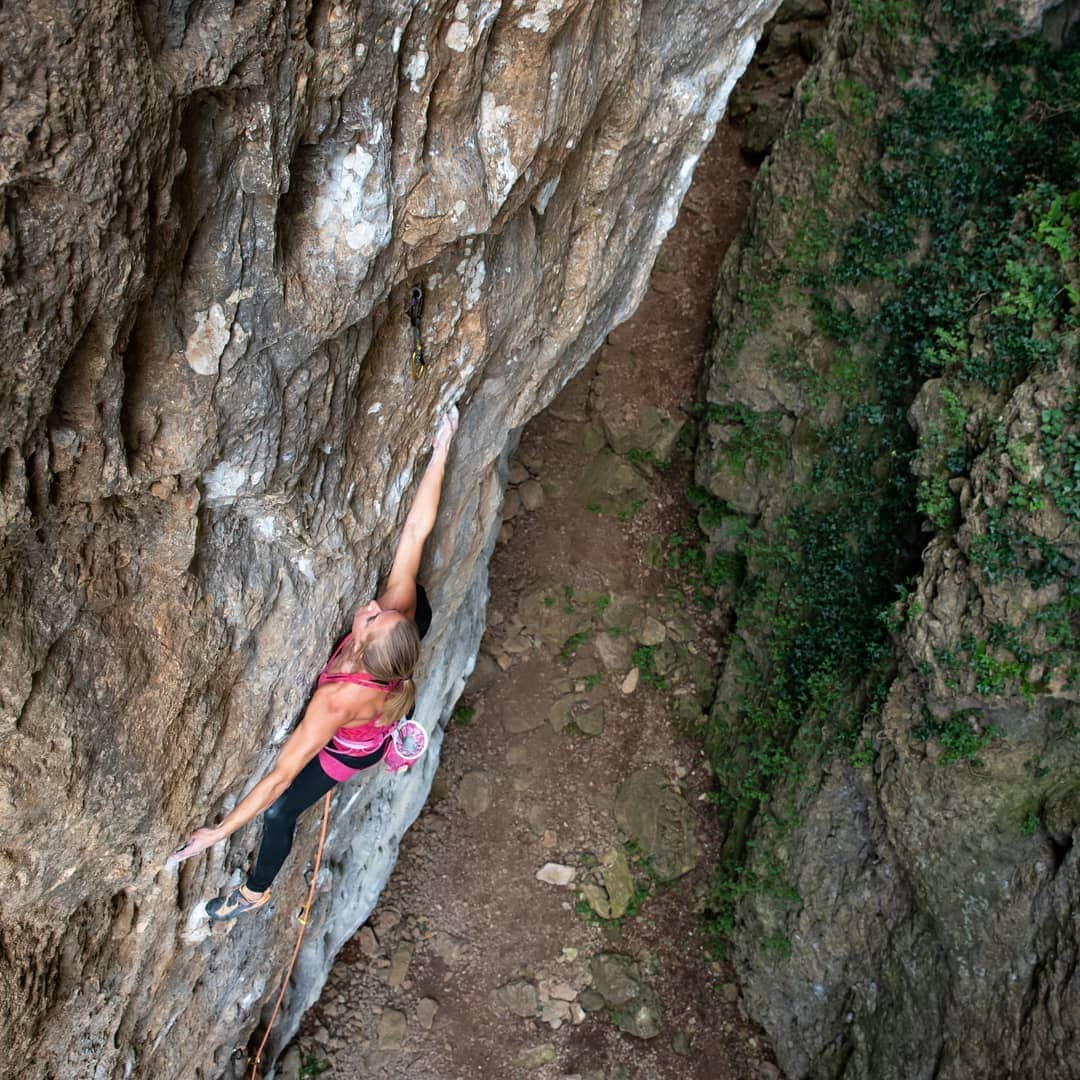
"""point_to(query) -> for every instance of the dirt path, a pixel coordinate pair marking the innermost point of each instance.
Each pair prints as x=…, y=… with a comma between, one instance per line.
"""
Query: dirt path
x=471, y=966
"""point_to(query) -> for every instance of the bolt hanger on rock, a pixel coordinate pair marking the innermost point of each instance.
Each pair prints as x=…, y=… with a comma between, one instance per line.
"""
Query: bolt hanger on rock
x=416, y=309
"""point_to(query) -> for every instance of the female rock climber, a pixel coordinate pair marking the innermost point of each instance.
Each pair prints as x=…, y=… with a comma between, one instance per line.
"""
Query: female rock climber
x=355, y=717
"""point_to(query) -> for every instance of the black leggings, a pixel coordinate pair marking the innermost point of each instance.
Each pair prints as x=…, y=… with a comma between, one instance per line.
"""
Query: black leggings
x=279, y=821
x=310, y=785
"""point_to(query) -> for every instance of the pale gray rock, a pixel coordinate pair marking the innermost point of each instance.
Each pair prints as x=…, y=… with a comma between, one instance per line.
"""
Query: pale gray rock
x=597, y=898
x=518, y=722
x=562, y=711
x=613, y=485
x=591, y=721
x=520, y=997
x=613, y=652
x=519, y=754
x=511, y=505
x=561, y=991
x=536, y=1057
x=369, y=943
x=532, y=495
x=623, y=614
x=386, y=919
x=393, y=1028
x=554, y=1013
x=426, y=1008
x=289, y=1066
x=648, y=430
x=399, y=966
x=546, y=613
x=556, y=874
x=642, y=1017
x=474, y=793
x=615, y=978
x=619, y=883
x=449, y=948
x=635, y=1006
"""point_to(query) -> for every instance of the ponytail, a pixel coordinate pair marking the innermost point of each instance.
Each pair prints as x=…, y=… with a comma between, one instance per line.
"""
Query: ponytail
x=399, y=702
x=392, y=658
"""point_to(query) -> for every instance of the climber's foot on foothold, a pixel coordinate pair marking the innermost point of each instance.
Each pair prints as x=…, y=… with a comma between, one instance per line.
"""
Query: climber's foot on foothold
x=236, y=902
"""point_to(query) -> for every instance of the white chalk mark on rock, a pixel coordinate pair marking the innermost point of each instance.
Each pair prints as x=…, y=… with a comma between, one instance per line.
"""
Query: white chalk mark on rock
x=208, y=340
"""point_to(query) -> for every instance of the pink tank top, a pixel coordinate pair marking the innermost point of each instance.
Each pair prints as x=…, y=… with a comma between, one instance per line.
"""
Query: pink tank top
x=365, y=738
x=358, y=678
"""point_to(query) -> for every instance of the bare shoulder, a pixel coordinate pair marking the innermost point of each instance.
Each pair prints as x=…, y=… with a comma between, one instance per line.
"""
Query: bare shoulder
x=348, y=703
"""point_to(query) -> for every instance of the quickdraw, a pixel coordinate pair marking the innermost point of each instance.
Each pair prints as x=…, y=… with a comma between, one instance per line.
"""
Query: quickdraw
x=416, y=309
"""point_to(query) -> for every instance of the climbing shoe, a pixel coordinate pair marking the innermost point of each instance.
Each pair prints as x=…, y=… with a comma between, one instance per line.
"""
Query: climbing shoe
x=235, y=903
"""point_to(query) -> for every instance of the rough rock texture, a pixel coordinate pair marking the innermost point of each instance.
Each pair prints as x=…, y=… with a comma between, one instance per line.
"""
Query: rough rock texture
x=658, y=819
x=901, y=917
x=212, y=217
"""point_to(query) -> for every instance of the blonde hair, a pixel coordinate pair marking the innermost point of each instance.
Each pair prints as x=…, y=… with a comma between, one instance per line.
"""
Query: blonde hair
x=392, y=657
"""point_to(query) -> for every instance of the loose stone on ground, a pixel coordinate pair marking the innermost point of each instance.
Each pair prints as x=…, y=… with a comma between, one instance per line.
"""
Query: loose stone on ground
x=474, y=793
x=554, y=874
x=536, y=1057
x=393, y=1028
x=425, y=1012
x=520, y=997
x=660, y=821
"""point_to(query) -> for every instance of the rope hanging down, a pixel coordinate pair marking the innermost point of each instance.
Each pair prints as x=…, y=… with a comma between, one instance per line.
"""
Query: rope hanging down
x=416, y=309
x=302, y=917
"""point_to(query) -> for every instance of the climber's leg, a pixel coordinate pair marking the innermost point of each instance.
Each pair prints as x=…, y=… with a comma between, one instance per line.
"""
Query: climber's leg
x=279, y=823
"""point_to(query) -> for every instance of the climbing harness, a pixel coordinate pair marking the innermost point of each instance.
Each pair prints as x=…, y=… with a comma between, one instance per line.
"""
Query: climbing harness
x=416, y=309
x=303, y=918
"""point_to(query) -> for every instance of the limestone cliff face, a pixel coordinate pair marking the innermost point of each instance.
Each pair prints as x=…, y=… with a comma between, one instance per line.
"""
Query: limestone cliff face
x=213, y=214
x=902, y=876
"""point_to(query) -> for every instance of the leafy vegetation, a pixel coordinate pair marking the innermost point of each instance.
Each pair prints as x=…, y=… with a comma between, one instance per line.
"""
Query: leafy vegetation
x=647, y=457
x=572, y=644
x=644, y=659
x=968, y=273
x=963, y=736
x=645, y=879
x=779, y=944
x=464, y=715
x=754, y=437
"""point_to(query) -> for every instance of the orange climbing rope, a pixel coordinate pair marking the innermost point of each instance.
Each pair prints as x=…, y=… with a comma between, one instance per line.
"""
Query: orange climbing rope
x=304, y=916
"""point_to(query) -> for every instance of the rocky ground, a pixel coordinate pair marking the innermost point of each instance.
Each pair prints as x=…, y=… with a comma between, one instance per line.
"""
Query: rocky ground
x=541, y=918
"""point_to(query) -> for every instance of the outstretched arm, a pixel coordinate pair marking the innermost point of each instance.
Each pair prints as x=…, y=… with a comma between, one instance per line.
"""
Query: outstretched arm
x=400, y=590
x=321, y=719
